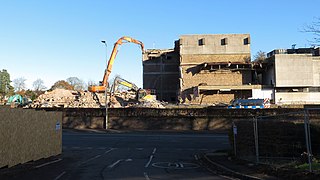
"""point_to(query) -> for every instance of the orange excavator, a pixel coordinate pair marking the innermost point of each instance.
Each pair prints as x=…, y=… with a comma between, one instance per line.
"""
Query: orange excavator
x=103, y=85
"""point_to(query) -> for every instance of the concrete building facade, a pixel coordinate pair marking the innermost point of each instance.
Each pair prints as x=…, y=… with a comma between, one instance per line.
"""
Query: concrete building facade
x=294, y=75
x=215, y=68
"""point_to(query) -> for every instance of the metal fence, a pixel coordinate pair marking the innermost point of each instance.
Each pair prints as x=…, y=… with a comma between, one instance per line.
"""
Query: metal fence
x=278, y=139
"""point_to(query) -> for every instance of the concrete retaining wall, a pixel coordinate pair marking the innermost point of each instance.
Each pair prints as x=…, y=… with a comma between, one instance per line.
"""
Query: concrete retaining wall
x=165, y=119
x=28, y=135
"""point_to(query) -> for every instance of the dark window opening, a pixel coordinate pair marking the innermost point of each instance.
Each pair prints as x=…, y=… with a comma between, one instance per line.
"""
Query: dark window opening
x=201, y=42
x=224, y=41
x=246, y=41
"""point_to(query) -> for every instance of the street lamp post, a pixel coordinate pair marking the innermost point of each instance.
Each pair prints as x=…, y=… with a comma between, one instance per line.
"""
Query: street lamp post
x=106, y=85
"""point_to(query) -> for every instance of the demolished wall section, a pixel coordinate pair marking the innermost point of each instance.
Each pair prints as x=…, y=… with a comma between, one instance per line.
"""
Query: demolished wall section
x=161, y=73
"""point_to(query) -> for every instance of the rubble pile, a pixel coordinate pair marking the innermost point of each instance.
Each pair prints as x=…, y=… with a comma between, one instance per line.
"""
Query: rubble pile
x=79, y=99
x=67, y=99
x=123, y=99
x=149, y=104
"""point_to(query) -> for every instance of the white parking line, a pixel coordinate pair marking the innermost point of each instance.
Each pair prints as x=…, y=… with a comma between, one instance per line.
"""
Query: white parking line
x=117, y=162
x=111, y=149
x=154, y=151
x=60, y=175
x=146, y=176
x=148, y=163
x=51, y=162
x=90, y=159
x=114, y=164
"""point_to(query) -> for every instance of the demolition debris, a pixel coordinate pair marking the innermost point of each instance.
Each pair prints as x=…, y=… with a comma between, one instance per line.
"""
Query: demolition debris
x=83, y=99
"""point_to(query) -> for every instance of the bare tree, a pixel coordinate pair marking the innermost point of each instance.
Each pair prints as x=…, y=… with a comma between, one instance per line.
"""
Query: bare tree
x=38, y=85
x=259, y=57
x=92, y=83
x=19, y=84
x=77, y=83
x=314, y=28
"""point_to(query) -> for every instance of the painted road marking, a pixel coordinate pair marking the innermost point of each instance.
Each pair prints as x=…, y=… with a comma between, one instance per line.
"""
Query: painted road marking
x=148, y=163
x=112, y=165
x=60, y=175
x=97, y=156
x=151, y=157
x=48, y=163
x=117, y=162
x=146, y=176
x=140, y=149
x=111, y=149
x=181, y=165
x=154, y=151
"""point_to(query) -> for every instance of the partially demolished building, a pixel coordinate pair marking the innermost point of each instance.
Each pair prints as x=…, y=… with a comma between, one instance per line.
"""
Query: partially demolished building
x=217, y=68
x=201, y=69
x=161, y=73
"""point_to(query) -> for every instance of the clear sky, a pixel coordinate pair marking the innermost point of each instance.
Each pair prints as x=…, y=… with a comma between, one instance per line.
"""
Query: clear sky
x=57, y=39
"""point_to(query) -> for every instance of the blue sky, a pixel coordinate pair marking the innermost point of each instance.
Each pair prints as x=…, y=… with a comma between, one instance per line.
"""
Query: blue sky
x=54, y=40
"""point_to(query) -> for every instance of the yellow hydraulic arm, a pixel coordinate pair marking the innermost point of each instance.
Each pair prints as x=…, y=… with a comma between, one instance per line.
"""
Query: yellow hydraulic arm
x=124, y=39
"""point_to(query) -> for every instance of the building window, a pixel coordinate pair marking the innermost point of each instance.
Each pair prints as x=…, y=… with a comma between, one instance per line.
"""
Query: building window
x=224, y=41
x=246, y=41
x=201, y=42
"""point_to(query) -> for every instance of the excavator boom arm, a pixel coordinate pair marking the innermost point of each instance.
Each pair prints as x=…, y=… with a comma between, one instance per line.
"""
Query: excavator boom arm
x=124, y=39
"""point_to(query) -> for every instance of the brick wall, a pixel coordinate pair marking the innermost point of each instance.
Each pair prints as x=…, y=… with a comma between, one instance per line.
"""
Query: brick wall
x=202, y=58
x=221, y=77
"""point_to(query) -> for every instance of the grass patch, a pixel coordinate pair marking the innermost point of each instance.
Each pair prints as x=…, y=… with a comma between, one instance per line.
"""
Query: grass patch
x=315, y=166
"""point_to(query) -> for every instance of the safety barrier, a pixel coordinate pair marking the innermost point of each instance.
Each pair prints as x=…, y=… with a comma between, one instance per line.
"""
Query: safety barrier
x=28, y=135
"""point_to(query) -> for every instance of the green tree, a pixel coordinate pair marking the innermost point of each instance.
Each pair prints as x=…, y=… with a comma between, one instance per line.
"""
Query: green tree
x=31, y=94
x=5, y=88
x=62, y=84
